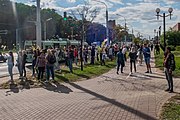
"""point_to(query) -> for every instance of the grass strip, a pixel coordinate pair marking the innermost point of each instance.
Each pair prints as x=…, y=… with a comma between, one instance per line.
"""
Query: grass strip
x=88, y=72
x=171, y=109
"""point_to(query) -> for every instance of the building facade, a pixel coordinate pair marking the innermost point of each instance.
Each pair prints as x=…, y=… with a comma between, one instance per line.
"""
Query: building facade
x=176, y=27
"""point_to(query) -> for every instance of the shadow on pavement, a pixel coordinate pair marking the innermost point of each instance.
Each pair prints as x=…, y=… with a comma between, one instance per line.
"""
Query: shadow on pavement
x=114, y=102
x=16, y=87
x=56, y=87
x=152, y=75
x=13, y=89
x=133, y=82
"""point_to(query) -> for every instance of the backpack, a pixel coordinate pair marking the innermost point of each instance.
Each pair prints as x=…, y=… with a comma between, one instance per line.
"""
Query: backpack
x=173, y=66
x=52, y=59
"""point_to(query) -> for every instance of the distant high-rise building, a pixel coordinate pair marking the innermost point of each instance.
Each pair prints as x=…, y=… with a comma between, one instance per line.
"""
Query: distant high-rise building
x=176, y=27
x=111, y=26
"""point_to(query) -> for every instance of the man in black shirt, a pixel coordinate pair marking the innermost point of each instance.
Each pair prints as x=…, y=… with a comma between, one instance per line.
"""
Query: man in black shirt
x=169, y=65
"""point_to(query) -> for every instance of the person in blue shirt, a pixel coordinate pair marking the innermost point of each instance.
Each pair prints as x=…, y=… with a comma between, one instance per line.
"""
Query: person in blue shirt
x=120, y=61
x=147, y=57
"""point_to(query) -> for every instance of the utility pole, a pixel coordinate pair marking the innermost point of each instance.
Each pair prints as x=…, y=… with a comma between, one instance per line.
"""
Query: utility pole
x=82, y=42
x=38, y=25
x=164, y=24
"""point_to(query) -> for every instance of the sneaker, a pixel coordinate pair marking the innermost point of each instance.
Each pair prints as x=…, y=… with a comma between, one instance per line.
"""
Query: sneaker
x=171, y=91
x=117, y=73
x=147, y=72
x=122, y=72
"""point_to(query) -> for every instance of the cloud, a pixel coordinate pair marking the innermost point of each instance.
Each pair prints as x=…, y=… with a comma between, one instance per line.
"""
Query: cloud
x=140, y=14
x=129, y=4
x=71, y=1
x=116, y=1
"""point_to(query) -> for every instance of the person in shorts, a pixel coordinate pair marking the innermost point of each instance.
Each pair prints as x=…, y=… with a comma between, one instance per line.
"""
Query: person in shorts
x=147, y=57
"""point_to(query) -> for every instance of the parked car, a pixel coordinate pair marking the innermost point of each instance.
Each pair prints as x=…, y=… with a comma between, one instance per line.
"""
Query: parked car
x=2, y=58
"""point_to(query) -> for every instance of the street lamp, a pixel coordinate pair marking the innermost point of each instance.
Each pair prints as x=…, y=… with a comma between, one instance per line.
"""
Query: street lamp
x=132, y=31
x=159, y=33
x=125, y=25
x=45, y=27
x=170, y=10
x=107, y=30
x=154, y=33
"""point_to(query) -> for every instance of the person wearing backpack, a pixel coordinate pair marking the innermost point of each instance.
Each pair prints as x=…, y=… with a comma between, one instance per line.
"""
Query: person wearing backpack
x=169, y=65
x=50, y=60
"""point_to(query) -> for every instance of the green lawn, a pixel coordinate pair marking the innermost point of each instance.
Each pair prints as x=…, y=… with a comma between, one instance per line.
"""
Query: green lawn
x=89, y=71
x=171, y=109
x=159, y=62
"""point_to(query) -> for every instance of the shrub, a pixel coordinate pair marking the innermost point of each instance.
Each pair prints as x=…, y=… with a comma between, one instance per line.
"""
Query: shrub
x=177, y=48
x=172, y=47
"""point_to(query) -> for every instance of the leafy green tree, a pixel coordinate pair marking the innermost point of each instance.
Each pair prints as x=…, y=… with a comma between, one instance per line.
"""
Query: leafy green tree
x=172, y=38
x=136, y=41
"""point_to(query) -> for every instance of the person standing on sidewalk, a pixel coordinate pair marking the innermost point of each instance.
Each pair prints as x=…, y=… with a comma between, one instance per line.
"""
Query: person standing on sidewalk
x=70, y=59
x=93, y=52
x=50, y=60
x=120, y=61
x=24, y=57
x=140, y=55
x=124, y=50
x=110, y=53
x=75, y=56
x=133, y=57
x=147, y=57
x=169, y=65
x=19, y=64
x=40, y=65
x=35, y=55
x=10, y=63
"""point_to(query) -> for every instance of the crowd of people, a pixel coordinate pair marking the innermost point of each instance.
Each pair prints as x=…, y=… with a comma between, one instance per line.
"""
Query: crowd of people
x=45, y=62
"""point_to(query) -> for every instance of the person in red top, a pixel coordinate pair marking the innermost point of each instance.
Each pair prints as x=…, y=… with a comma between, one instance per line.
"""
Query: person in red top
x=75, y=55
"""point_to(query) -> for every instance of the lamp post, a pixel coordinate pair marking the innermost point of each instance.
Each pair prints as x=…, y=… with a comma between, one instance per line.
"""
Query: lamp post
x=107, y=30
x=154, y=33
x=124, y=26
x=132, y=31
x=170, y=10
x=159, y=33
x=45, y=27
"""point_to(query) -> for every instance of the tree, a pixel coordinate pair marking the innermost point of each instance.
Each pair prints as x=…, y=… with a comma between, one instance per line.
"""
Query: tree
x=136, y=41
x=173, y=38
x=87, y=14
x=119, y=31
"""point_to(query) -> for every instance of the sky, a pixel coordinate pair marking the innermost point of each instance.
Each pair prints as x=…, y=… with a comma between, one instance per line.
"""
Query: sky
x=140, y=15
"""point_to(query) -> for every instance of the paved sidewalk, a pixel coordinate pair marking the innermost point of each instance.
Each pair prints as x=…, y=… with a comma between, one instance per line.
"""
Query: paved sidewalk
x=107, y=97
